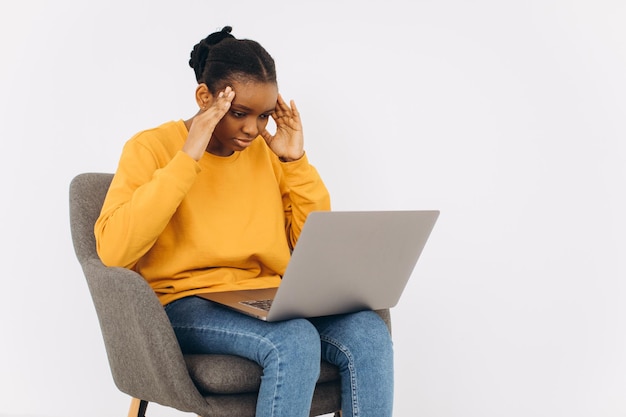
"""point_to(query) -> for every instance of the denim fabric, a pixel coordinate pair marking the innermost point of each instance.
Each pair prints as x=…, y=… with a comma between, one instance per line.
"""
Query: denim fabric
x=360, y=345
x=290, y=353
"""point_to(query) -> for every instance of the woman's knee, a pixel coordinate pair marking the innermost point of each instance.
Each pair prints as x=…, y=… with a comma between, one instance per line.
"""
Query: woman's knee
x=296, y=343
x=362, y=336
x=376, y=341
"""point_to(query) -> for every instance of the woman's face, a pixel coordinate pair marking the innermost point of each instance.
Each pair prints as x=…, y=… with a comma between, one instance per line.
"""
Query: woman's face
x=247, y=117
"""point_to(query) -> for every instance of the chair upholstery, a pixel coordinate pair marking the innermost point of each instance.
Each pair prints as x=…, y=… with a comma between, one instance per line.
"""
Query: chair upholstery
x=144, y=356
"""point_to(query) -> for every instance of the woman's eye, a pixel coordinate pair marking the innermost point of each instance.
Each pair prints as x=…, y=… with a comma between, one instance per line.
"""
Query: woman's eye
x=238, y=114
x=264, y=116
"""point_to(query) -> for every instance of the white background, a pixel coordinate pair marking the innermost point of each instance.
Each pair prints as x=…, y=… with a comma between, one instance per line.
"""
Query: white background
x=508, y=116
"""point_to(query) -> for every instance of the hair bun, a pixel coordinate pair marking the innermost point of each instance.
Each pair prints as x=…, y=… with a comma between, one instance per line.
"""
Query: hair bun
x=217, y=37
x=200, y=52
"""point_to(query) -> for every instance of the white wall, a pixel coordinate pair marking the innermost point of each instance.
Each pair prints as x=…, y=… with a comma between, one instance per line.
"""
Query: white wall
x=508, y=116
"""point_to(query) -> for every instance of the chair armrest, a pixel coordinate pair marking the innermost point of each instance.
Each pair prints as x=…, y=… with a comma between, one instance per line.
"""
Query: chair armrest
x=385, y=314
x=143, y=353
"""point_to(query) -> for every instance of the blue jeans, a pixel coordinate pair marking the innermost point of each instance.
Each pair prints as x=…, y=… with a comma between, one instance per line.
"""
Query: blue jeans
x=290, y=353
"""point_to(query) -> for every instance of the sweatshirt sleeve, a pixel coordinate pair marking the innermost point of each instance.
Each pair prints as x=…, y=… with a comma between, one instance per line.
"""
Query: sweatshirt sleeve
x=303, y=192
x=142, y=199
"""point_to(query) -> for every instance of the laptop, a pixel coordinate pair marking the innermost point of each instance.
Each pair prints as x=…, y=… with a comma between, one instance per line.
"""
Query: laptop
x=343, y=262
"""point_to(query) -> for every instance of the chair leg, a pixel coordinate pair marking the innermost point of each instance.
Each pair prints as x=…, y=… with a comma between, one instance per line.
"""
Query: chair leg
x=137, y=408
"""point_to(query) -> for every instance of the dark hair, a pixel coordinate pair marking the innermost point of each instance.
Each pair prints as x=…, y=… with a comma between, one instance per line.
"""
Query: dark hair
x=220, y=59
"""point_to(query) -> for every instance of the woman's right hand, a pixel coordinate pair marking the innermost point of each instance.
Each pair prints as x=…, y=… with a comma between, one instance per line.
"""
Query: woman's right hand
x=203, y=124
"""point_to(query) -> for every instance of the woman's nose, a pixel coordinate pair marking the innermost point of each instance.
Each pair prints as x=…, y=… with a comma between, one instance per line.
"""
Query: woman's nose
x=249, y=127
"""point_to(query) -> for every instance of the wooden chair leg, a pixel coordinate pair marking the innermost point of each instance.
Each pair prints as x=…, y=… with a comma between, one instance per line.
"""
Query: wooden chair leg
x=137, y=408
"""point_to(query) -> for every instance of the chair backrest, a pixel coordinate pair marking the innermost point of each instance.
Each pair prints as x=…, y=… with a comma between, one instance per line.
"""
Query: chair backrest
x=144, y=356
x=87, y=193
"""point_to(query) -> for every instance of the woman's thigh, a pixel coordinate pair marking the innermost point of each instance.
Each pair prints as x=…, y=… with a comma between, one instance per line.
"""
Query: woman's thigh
x=363, y=332
x=202, y=326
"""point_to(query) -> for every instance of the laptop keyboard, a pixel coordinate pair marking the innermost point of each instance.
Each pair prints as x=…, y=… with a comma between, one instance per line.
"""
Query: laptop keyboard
x=260, y=304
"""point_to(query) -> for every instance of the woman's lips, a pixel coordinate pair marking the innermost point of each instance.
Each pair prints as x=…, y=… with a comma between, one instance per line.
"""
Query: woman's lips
x=244, y=143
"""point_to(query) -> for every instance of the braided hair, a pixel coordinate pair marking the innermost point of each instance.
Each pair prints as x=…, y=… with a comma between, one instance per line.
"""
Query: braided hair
x=220, y=59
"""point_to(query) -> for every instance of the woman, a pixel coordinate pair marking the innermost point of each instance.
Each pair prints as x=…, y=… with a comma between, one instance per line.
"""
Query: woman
x=216, y=203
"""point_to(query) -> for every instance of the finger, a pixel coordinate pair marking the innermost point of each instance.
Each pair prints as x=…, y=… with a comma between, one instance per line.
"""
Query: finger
x=267, y=136
x=281, y=106
x=294, y=109
x=223, y=101
x=280, y=101
x=228, y=94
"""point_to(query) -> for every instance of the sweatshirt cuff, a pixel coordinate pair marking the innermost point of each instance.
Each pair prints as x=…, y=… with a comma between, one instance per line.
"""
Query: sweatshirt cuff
x=299, y=171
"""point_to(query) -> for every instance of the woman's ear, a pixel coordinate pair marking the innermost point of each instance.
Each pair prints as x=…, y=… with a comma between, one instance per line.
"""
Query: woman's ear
x=204, y=98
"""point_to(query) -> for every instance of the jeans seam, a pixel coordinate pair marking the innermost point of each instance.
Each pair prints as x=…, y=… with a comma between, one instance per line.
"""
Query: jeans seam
x=353, y=383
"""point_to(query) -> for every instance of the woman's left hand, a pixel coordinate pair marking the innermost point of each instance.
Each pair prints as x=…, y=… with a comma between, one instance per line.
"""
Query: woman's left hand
x=288, y=141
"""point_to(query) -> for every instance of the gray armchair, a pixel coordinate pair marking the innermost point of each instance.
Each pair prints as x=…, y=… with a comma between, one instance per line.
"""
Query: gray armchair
x=144, y=356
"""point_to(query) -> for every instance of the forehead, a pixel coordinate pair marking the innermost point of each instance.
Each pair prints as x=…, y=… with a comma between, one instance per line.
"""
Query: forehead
x=255, y=96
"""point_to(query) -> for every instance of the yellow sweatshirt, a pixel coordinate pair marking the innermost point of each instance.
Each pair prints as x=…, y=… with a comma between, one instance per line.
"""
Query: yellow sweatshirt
x=217, y=224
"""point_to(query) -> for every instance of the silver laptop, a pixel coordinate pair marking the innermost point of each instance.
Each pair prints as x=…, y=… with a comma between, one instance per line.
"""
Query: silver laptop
x=343, y=262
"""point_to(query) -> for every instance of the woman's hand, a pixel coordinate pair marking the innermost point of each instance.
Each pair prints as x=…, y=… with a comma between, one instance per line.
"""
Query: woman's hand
x=203, y=124
x=288, y=141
